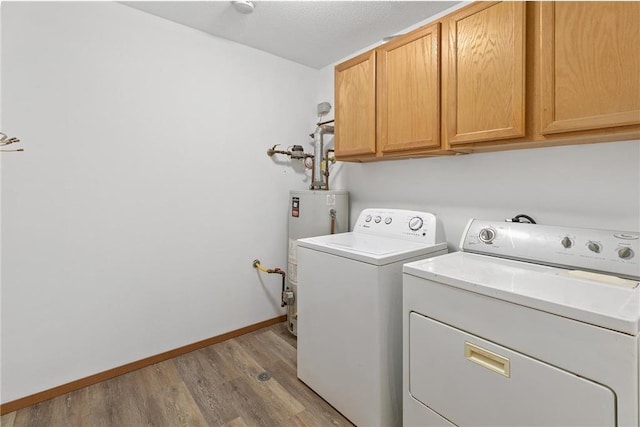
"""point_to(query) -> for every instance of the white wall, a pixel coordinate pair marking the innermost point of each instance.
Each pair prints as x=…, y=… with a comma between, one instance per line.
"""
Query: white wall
x=130, y=223
x=596, y=185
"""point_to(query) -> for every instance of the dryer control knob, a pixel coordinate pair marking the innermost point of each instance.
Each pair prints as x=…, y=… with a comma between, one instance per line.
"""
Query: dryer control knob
x=367, y=218
x=487, y=235
x=625, y=252
x=378, y=219
x=594, y=247
x=415, y=223
x=566, y=242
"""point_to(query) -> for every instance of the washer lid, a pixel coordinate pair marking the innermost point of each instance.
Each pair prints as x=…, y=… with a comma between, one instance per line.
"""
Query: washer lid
x=371, y=249
x=588, y=299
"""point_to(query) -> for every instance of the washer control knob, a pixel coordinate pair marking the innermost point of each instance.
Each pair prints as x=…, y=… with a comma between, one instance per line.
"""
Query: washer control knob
x=387, y=220
x=625, y=252
x=594, y=247
x=566, y=242
x=415, y=223
x=367, y=218
x=487, y=235
x=378, y=219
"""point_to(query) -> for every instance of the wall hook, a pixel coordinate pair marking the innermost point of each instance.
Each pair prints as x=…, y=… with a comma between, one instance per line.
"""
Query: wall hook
x=5, y=140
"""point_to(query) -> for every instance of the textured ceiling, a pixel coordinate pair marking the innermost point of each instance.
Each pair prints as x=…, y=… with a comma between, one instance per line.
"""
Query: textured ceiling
x=312, y=33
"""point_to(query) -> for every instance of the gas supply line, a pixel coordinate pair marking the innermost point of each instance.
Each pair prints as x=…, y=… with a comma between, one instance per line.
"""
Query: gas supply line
x=295, y=152
x=285, y=297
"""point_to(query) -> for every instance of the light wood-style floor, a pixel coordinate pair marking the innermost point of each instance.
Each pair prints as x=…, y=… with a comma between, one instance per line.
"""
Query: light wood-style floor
x=215, y=386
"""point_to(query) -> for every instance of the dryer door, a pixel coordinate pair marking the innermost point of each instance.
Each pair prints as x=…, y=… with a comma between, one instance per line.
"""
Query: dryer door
x=474, y=382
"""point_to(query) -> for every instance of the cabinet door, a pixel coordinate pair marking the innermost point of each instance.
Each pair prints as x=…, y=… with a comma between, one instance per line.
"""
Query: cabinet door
x=355, y=97
x=485, y=73
x=590, y=65
x=409, y=91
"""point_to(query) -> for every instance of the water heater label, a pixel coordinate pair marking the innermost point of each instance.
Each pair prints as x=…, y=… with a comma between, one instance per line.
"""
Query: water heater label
x=295, y=207
x=331, y=199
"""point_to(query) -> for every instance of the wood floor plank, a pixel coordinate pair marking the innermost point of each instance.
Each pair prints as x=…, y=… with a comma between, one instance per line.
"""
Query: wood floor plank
x=124, y=401
x=252, y=408
x=237, y=360
x=213, y=400
x=278, y=399
x=79, y=405
x=7, y=420
x=252, y=344
x=265, y=347
x=315, y=406
x=278, y=346
x=236, y=422
x=218, y=367
x=163, y=399
x=174, y=407
x=214, y=386
x=281, y=330
x=96, y=405
x=306, y=419
x=36, y=415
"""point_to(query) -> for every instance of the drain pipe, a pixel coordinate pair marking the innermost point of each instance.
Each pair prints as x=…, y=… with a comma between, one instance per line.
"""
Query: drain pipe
x=318, y=148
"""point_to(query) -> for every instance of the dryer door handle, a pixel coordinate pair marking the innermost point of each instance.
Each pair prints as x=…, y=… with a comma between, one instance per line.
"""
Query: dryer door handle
x=487, y=359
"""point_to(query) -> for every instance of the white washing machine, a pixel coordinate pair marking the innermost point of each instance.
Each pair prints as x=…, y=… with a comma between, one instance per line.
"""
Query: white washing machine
x=529, y=325
x=350, y=311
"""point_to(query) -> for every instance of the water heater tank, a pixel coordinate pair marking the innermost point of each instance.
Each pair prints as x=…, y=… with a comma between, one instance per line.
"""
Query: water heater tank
x=311, y=213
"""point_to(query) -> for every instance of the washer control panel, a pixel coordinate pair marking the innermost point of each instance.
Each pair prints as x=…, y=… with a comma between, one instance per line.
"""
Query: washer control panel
x=616, y=252
x=398, y=223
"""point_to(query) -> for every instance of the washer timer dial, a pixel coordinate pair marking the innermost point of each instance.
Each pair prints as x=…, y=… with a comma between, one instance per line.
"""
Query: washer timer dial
x=416, y=223
x=487, y=235
x=594, y=247
x=566, y=242
x=625, y=252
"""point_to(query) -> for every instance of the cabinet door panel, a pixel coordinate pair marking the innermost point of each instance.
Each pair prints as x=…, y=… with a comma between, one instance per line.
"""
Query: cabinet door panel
x=409, y=92
x=590, y=65
x=355, y=97
x=485, y=90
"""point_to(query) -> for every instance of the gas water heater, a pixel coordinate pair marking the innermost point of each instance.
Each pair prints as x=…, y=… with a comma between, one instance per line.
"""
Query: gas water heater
x=311, y=213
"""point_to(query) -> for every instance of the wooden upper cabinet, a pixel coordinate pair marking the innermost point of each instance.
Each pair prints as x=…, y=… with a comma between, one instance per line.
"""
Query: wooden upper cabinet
x=494, y=76
x=355, y=98
x=408, y=97
x=484, y=73
x=590, y=65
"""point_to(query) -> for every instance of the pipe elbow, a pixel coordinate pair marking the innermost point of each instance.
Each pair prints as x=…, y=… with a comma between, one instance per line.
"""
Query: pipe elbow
x=325, y=129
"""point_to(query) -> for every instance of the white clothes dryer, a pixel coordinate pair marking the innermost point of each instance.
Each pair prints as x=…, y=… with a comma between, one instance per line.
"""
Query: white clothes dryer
x=529, y=325
x=350, y=311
